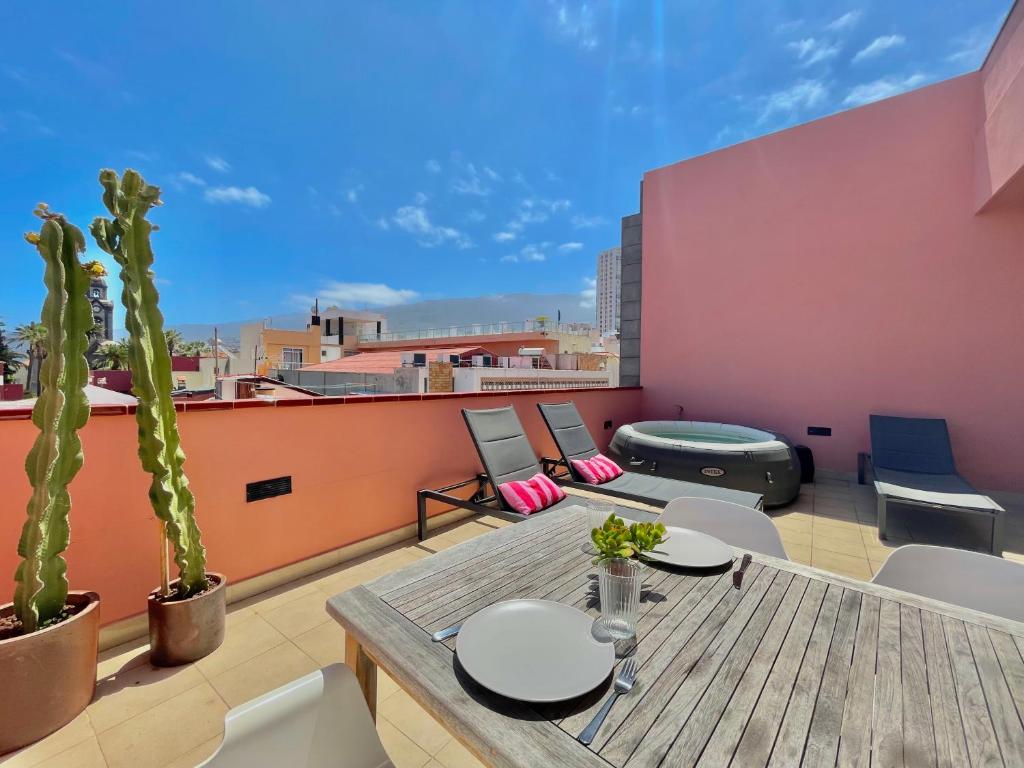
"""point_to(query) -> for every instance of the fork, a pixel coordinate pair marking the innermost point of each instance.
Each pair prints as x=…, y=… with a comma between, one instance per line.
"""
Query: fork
x=623, y=684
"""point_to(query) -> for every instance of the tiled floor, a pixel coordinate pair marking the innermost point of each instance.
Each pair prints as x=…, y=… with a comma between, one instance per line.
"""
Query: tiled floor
x=145, y=717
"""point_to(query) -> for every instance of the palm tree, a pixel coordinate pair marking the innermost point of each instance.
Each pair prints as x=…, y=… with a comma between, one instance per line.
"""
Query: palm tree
x=174, y=339
x=113, y=356
x=194, y=349
x=33, y=337
x=10, y=359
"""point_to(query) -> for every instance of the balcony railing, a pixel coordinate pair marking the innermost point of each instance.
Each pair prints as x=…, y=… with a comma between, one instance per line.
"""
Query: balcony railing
x=477, y=329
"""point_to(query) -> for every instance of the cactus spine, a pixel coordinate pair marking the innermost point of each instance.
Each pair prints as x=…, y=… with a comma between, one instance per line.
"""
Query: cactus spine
x=61, y=410
x=126, y=238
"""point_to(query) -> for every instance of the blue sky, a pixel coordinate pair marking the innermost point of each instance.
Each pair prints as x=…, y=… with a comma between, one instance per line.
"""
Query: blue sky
x=376, y=153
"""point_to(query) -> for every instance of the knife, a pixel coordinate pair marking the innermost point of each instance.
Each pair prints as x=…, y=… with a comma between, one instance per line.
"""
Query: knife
x=737, y=576
x=444, y=634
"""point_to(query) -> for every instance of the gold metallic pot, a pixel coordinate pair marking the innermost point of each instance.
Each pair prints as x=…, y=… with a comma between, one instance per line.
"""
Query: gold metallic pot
x=48, y=677
x=181, y=631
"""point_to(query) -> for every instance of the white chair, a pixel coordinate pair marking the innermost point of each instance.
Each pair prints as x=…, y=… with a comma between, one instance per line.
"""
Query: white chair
x=969, y=579
x=316, y=721
x=734, y=524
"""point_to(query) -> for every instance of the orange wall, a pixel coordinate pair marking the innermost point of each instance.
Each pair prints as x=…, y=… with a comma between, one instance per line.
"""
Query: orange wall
x=355, y=467
x=838, y=269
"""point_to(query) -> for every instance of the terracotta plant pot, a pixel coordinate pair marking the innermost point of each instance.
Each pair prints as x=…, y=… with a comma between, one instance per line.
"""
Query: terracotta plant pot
x=48, y=677
x=181, y=631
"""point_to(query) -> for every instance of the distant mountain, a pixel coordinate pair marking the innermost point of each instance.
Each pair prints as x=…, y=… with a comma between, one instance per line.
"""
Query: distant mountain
x=435, y=313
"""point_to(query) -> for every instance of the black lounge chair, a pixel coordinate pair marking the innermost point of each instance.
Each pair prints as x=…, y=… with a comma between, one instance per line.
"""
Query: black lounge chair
x=506, y=455
x=573, y=439
x=912, y=460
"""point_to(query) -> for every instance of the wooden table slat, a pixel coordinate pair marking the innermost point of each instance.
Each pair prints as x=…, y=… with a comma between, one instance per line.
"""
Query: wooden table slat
x=918, y=729
x=1012, y=665
x=978, y=729
x=1005, y=719
x=950, y=747
x=799, y=667
x=686, y=618
x=854, y=738
x=755, y=744
x=648, y=733
x=721, y=684
x=789, y=743
x=822, y=745
x=496, y=558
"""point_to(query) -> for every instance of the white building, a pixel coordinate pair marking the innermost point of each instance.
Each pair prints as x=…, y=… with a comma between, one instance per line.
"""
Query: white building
x=609, y=283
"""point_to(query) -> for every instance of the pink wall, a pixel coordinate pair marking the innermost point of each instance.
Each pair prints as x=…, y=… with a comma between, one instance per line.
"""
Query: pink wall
x=999, y=144
x=838, y=269
x=355, y=467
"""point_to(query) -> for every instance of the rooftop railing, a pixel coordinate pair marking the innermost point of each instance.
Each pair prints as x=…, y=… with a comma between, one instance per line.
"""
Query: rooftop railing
x=477, y=329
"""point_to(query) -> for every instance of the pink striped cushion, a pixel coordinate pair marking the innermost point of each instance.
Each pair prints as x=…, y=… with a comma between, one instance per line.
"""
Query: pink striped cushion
x=597, y=469
x=533, y=495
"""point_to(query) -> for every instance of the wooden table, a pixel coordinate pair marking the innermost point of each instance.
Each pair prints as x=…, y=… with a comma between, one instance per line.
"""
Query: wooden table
x=799, y=666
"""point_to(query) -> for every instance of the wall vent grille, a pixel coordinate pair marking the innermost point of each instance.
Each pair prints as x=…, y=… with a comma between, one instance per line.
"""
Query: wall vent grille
x=268, y=489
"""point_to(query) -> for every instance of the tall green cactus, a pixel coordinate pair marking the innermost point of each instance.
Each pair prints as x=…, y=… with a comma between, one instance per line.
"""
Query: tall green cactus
x=61, y=410
x=126, y=238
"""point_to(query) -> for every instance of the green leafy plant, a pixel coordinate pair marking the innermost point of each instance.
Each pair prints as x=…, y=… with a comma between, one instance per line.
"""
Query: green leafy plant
x=61, y=410
x=615, y=539
x=126, y=237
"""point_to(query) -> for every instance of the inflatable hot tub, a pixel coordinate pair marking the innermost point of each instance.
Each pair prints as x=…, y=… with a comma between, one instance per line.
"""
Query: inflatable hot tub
x=726, y=455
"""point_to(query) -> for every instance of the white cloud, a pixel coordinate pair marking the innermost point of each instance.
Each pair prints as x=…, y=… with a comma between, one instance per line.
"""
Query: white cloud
x=588, y=296
x=491, y=174
x=846, y=21
x=242, y=195
x=811, y=50
x=414, y=220
x=878, y=46
x=15, y=74
x=579, y=221
x=366, y=294
x=473, y=216
x=352, y=193
x=575, y=22
x=185, y=179
x=790, y=102
x=382, y=223
x=971, y=47
x=504, y=237
x=218, y=164
x=536, y=210
x=883, y=88
x=785, y=27
x=528, y=253
x=570, y=247
x=470, y=183
x=637, y=110
x=432, y=166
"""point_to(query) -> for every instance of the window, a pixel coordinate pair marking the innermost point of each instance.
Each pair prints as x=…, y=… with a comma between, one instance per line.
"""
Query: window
x=95, y=293
x=291, y=358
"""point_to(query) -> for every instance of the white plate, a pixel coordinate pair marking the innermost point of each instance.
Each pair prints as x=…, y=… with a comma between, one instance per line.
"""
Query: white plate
x=534, y=650
x=691, y=549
